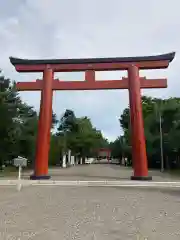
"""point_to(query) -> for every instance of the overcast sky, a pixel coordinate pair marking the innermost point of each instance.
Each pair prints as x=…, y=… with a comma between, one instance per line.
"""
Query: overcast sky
x=94, y=28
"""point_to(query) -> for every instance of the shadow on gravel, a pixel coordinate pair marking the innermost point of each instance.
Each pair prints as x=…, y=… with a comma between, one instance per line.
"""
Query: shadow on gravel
x=152, y=172
x=175, y=192
x=100, y=163
x=172, y=192
x=89, y=176
x=118, y=167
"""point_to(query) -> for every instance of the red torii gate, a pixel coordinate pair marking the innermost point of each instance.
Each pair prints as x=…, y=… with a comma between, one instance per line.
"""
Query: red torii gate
x=134, y=83
x=105, y=150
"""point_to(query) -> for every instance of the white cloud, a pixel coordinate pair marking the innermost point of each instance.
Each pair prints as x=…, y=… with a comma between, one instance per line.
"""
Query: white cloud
x=73, y=29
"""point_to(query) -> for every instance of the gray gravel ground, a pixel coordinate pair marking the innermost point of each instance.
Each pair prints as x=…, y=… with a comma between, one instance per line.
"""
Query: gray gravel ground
x=101, y=172
x=87, y=213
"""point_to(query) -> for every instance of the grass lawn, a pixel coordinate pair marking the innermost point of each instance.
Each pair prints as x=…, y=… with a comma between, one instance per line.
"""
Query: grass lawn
x=12, y=172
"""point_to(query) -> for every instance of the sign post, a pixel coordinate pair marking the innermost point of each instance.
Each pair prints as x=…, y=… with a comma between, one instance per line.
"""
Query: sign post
x=20, y=171
x=20, y=162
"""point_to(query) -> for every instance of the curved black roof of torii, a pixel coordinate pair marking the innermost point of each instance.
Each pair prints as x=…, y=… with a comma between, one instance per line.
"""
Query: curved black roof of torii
x=18, y=61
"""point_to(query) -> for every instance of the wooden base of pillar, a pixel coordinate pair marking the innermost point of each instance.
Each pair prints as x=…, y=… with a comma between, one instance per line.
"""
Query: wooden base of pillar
x=139, y=178
x=34, y=177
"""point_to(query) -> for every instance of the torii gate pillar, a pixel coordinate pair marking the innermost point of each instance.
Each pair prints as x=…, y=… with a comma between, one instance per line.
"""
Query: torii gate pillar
x=139, y=157
x=44, y=127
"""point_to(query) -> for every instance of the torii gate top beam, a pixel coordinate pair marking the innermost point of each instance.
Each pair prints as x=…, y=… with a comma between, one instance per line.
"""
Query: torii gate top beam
x=96, y=64
x=90, y=85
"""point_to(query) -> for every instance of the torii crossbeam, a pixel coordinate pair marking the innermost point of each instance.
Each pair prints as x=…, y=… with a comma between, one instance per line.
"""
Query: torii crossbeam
x=133, y=83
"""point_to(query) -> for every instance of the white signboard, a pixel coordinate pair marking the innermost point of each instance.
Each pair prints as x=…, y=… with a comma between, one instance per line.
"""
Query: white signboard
x=20, y=162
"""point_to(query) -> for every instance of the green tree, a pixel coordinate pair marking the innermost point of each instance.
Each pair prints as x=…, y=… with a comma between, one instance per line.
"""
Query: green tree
x=153, y=108
x=79, y=135
x=18, y=124
x=9, y=106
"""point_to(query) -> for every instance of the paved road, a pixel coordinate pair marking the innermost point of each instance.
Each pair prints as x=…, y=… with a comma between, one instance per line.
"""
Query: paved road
x=56, y=212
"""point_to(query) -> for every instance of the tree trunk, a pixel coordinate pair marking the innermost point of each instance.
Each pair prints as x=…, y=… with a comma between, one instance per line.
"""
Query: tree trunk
x=167, y=163
x=178, y=161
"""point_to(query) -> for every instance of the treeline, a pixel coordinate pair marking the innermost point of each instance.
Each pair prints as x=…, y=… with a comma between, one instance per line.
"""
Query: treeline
x=19, y=121
x=18, y=130
x=158, y=114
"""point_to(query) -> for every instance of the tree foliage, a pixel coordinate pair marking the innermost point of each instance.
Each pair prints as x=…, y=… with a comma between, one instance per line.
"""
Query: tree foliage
x=18, y=124
x=153, y=109
x=79, y=135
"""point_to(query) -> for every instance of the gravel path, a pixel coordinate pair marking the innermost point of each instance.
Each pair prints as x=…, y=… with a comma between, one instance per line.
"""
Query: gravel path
x=101, y=172
x=44, y=213
x=89, y=213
